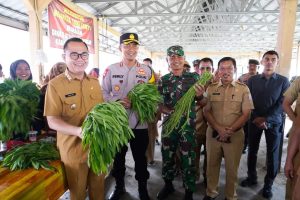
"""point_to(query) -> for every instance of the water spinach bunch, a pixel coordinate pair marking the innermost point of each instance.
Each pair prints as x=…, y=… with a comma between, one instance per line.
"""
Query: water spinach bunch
x=144, y=99
x=36, y=155
x=183, y=106
x=105, y=130
x=18, y=105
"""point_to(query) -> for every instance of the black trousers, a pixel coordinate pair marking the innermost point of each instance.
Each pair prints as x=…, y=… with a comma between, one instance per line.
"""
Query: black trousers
x=138, y=147
x=273, y=137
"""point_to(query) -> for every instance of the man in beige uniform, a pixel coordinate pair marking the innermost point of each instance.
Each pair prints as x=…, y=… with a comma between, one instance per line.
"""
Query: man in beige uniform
x=69, y=98
x=290, y=96
x=228, y=108
x=205, y=65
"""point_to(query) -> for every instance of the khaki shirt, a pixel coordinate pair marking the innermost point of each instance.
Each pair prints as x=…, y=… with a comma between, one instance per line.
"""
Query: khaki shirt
x=293, y=94
x=228, y=103
x=71, y=99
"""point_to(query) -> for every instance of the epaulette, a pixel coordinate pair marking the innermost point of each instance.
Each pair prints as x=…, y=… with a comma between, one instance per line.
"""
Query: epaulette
x=238, y=82
x=213, y=83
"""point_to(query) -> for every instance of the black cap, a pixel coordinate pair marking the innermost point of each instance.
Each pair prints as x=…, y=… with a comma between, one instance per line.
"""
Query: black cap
x=196, y=62
x=127, y=38
x=253, y=61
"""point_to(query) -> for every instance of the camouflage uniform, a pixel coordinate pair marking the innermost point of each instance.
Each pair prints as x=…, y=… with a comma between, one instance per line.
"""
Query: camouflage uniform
x=172, y=89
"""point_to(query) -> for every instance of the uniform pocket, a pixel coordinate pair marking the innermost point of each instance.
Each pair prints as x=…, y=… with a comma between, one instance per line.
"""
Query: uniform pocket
x=71, y=106
x=236, y=103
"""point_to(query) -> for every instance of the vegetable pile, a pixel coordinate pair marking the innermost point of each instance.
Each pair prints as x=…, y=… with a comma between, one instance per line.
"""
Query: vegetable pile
x=183, y=106
x=105, y=130
x=18, y=106
x=36, y=155
x=144, y=100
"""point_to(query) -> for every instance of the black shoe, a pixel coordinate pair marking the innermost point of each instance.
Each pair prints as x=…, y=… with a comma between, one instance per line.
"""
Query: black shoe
x=248, y=182
x=143, y=192
x=117, y=193
x=166, y=191
x=267, y=193
x=208, y=198
x=205, y=182
x=188, y=195
x=157, y=142
x=244, y=150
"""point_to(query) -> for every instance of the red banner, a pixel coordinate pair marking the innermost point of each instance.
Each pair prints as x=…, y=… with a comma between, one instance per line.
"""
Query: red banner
x=65, y=23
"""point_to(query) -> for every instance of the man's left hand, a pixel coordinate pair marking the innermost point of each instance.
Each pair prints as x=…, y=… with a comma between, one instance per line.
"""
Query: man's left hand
x=199, y=90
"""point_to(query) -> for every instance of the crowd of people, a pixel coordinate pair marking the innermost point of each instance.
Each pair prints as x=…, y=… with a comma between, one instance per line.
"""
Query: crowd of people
x=227, y=118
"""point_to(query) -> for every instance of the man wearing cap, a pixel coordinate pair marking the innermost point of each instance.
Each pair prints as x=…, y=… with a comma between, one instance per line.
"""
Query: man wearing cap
x=186, y=66
x=253, y=66
x=118, y=80
x=172, y=87
x=196, y=64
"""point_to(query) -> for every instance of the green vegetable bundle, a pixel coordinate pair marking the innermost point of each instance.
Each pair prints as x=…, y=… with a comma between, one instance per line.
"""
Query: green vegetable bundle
x=144, y=100
x=105, y=130
x=183, y=106
x=36, y=155
x=18, y=106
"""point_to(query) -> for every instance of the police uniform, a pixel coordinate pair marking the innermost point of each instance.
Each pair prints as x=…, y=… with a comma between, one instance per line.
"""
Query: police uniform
x=72, y=99
x=226, y=103
x=293, y=94
x=172, y=88
x=118, y=80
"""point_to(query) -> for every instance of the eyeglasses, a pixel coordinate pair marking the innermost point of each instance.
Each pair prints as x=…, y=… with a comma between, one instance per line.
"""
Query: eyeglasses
x=75, y=55
x=205, y=68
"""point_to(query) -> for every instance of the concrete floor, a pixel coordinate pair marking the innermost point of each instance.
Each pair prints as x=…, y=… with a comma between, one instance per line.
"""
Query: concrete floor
x=155, y=182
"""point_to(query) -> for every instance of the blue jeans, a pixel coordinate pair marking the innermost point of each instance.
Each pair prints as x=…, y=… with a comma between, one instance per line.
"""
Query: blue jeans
x=273, y=137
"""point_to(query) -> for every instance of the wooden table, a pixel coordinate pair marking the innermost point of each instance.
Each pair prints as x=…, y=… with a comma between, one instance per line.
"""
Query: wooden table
x=31, y=184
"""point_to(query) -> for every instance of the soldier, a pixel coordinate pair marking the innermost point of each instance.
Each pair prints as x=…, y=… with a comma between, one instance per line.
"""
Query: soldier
x=228, y=108
x=173, y=86
x=293, y=161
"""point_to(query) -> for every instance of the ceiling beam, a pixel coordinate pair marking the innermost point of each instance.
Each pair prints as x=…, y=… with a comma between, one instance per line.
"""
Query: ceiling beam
x=106, y=1
x=196, y=24
x=192, y=14
x=13, y=23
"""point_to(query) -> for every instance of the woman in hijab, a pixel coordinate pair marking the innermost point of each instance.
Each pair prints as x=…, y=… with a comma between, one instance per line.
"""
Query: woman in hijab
x=56, y=70
x=20, y=69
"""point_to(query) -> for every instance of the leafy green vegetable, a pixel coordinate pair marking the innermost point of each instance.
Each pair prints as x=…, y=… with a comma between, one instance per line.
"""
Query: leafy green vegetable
x=183, y=106
x=144, y=100
x=105, y=130
x=18, y=105
x=36, y=155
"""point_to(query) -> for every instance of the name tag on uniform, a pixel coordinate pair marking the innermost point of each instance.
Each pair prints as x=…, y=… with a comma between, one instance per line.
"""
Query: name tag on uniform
x=216, y=93
x=70, y=95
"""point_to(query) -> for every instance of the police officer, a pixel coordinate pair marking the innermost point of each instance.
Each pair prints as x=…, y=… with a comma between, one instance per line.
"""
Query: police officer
x=228, y=108
x=69, y=98
x=173, y=86
x=118, y=80
x=293, y=162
